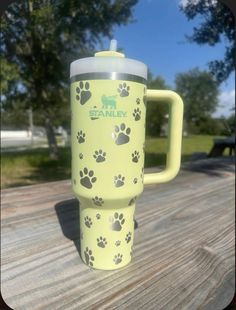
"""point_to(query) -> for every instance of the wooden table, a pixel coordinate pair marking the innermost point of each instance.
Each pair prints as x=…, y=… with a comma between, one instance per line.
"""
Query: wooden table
x=183, y=248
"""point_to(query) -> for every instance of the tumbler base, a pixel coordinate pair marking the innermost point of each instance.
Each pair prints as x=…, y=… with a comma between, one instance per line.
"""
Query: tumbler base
x=106, y=236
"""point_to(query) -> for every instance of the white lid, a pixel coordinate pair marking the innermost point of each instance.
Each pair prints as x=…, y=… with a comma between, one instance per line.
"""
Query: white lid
x=108, y=61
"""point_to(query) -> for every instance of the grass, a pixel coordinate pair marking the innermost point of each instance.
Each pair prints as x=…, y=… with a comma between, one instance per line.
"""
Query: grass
x=34, y=166
x=155, y=148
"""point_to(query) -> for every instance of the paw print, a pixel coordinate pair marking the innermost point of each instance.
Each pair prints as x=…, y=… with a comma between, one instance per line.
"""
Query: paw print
x=88, y=257
x=117, y=221
x=132, y=201
x=121, y=134
x=98, y=216
x=117, y=258
x=117, y=243
x=98, y=201
x=119, y=180
x=83, y=95
x=138, y=101
x=86, y=178
x=137, y=114
x=128, y=237
x=101, y=242
x=81, y=136
x=135, y=180
x=123, y=90
x=135, y=156
x=87, y=221
x=100, y=156
x=81, y=156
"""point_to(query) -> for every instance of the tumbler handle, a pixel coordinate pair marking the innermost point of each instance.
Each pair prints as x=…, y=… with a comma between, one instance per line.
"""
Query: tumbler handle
x=173, y=158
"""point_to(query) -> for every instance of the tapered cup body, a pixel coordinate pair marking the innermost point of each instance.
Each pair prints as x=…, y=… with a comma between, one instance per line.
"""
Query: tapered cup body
x=107, y=138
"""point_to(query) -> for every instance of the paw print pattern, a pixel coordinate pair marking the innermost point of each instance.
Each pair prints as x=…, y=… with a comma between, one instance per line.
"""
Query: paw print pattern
x=98, y=216
x=86, y=178
x=128, y=237
x=98, y=201
x=137, y=114
x=101, y=242
x=135, y=180
x=138, y=101
x=81, y=136
x=81, y=156
x=121, y=134
x=117, y=221
x=119, y=180
x=117, y=258
x=123, y=90
x=88, y=257
x=117, y=243
x=135, y=156
x=100, y=156
x=87, y=221
x=83, y=93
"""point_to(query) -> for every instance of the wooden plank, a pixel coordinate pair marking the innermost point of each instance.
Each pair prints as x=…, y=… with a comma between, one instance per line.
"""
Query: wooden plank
x=183, y=248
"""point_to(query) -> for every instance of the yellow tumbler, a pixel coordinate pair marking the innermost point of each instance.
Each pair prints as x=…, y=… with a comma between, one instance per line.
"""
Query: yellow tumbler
x=108, y=108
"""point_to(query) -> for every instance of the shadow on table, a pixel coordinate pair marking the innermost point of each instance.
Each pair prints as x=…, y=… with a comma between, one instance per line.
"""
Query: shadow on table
x=69, y=218
x=215, y=167
x=196, y=162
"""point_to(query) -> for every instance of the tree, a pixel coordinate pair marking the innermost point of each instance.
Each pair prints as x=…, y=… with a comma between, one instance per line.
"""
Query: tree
x=230, y=125
x=39, y=40
x=217, y=25
x=156, y=112
x=199, y=92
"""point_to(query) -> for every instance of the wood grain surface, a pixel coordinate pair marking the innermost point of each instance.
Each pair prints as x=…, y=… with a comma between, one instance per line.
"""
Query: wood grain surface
x=183, y=247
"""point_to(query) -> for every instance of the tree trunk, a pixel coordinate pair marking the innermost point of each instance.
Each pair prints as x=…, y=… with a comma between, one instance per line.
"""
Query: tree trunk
x=52, y=142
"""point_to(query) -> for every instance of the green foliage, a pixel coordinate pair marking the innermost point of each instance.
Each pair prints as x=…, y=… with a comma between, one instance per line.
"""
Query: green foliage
x=40, y=38
x=210, y=126
x=199, y=92
x=16, y=118
x=217, y=25
x=156, y=112
x=8, y=75
x=230, y=125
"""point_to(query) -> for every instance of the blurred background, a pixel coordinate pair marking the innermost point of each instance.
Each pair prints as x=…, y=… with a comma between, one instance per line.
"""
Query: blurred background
x=187, y=45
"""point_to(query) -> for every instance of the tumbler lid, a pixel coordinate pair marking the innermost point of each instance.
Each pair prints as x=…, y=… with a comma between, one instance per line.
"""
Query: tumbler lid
x=108, y=61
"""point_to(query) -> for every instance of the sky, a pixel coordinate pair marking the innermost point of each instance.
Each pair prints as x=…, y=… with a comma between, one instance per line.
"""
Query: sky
x=157, y=38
